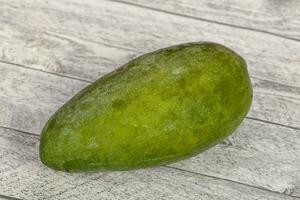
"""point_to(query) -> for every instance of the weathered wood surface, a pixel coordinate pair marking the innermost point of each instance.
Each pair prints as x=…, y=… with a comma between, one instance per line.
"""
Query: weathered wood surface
x=29, y=97
x=247, y=157
x=69, y=33
x=61, y=46
x=23, y=176
x=272, y=17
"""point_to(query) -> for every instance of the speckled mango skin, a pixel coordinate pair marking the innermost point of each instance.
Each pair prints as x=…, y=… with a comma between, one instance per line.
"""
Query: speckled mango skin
x=159, y=108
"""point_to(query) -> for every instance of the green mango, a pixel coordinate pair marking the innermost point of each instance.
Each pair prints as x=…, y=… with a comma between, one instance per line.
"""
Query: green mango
x=159, y=108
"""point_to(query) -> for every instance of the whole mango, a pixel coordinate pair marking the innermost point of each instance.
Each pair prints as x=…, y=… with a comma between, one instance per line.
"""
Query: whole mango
x=161, y=107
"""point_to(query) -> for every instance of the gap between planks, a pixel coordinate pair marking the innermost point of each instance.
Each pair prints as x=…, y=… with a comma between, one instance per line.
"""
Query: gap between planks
x=237, y=182
x=90, y=81
x=166, y=166
x=205, y=20
x=8, y=197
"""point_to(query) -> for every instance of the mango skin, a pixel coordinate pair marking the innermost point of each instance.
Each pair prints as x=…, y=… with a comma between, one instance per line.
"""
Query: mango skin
x=159, y=108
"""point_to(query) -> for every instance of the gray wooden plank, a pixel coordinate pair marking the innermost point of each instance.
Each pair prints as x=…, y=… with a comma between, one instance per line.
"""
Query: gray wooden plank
x=63, y=36
x=28, y=98
x=275, y=17
x=23, y=176
x=275, y=103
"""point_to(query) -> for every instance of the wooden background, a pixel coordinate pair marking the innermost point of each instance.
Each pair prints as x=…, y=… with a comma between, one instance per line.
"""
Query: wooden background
x=49, y=50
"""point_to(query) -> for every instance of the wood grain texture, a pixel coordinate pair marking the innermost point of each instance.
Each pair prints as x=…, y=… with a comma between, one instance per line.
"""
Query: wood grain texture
x=44, y=93
x=275, y=102
x=274, y=17
x=28, y=98
x=73, y=34
x=23, y=176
